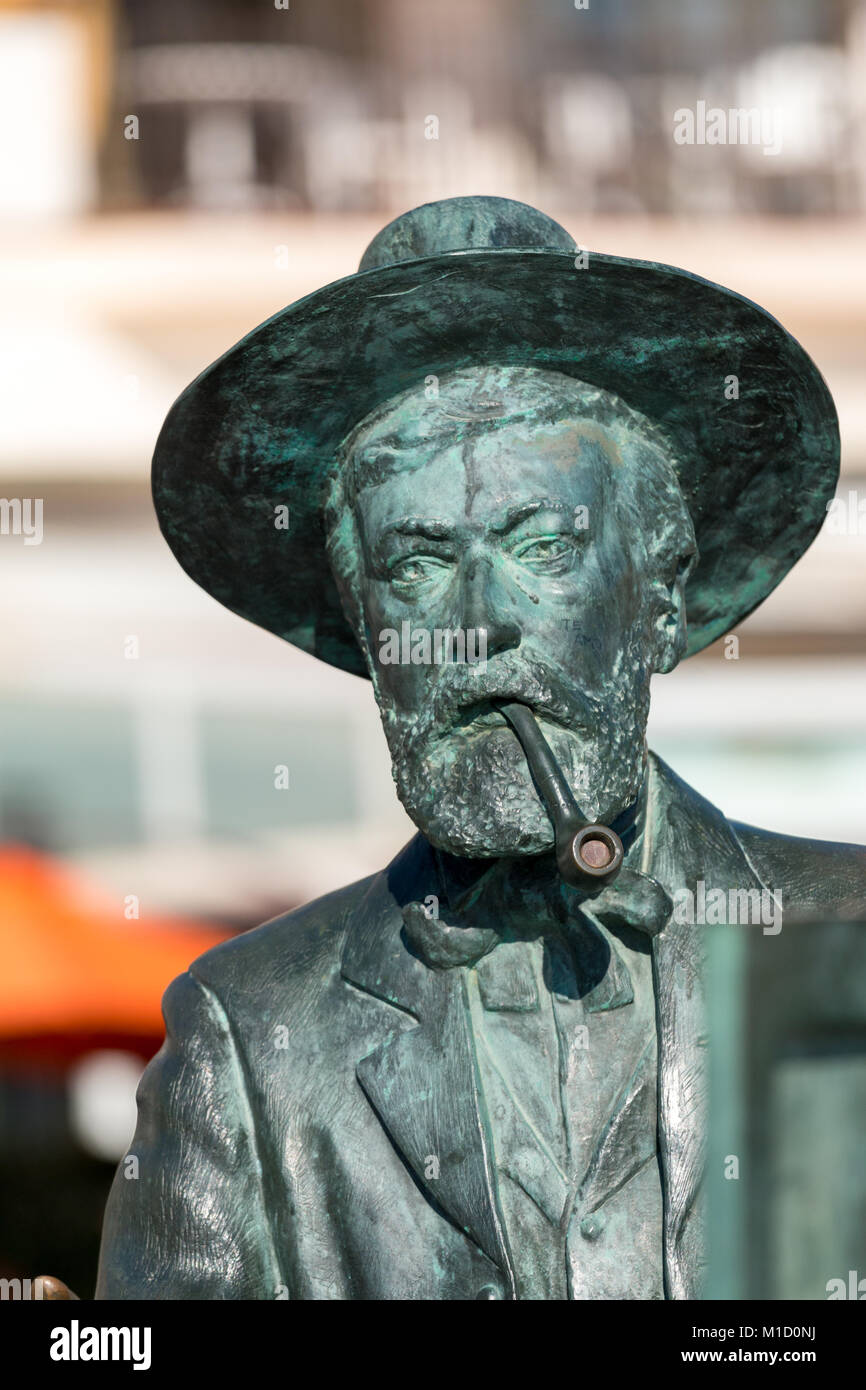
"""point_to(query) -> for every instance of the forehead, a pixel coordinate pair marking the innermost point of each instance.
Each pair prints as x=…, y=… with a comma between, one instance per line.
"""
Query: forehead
x=569, y=461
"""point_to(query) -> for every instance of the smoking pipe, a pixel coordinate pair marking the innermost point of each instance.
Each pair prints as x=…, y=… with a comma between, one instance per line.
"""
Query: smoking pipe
x=587, y=855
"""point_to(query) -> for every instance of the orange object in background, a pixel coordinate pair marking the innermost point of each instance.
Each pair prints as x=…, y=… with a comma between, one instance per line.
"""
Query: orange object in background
x=75, y=972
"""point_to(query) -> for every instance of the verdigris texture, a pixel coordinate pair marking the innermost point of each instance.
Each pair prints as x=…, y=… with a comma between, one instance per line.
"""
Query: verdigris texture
x=476, y=1075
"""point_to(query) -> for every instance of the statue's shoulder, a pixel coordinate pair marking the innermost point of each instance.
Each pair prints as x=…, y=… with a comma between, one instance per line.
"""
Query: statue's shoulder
x=291, y=965
x=285, y=952
x=807, y=873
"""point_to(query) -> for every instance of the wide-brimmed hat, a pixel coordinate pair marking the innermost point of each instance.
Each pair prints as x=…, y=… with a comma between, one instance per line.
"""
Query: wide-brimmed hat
x=469, y=282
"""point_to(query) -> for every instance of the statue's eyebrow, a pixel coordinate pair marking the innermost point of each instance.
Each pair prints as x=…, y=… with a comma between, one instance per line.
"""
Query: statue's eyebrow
x=427, y=527
x=522, y=510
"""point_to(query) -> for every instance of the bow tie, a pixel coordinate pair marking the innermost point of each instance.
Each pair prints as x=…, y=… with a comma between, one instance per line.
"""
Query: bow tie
x=522, y=903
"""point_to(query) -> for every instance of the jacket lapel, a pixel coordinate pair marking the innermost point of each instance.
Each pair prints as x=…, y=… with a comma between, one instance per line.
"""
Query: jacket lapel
x=691, y=840
x=422, y=1081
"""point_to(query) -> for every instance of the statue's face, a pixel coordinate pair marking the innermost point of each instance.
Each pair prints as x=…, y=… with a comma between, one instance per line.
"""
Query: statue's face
x=515, y=538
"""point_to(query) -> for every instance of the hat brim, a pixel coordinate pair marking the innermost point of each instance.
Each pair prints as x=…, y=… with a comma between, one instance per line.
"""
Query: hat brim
x=259, y=428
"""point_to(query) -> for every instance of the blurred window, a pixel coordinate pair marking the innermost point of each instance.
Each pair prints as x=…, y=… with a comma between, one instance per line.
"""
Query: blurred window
x=242, y=756
x=67, y=774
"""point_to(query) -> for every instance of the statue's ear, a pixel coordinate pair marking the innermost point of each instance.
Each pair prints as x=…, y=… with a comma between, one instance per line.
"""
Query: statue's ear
x=671, y=629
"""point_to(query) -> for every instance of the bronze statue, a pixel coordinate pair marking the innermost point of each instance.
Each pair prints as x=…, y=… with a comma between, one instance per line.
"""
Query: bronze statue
x=512, y=482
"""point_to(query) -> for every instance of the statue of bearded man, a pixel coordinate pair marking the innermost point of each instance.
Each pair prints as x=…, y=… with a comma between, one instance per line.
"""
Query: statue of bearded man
x=492, y=1077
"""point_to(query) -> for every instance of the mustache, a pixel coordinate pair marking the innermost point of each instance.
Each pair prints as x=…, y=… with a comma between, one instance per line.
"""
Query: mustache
x=464, y=693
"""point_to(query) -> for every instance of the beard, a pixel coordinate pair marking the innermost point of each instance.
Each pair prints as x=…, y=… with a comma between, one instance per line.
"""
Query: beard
x=462, y=775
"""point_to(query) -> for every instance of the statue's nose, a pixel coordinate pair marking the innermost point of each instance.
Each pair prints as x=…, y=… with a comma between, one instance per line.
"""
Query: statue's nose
x=488, y=612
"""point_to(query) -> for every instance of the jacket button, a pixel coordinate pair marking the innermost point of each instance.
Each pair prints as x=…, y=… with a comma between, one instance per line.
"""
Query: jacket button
x=591, y=1227
x=488, y=1291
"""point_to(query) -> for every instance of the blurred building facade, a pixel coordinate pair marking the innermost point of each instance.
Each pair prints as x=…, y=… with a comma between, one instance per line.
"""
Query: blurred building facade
x=348, y=107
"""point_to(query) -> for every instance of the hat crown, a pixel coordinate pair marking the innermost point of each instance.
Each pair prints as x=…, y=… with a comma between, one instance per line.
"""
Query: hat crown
x=465, y=224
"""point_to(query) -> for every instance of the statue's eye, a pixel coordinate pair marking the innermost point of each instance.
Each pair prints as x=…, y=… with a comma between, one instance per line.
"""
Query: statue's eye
x=415, y=569
x=542, y=552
